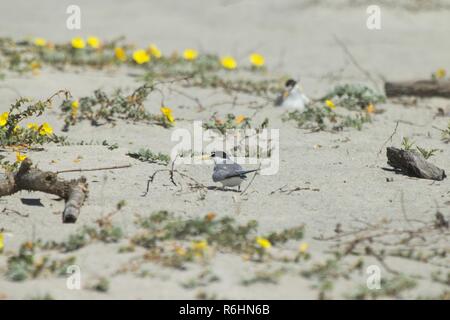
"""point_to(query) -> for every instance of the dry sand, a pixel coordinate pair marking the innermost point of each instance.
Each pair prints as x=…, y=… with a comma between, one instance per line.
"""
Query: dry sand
x=297, y=38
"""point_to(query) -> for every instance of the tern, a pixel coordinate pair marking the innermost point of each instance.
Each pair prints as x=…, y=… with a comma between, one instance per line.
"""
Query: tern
x=293, y=97
x=227, y=172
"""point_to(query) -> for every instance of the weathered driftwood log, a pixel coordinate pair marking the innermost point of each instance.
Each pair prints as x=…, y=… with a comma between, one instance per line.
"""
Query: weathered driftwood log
x=421, y=88
x=412, y=163
x=74, y=192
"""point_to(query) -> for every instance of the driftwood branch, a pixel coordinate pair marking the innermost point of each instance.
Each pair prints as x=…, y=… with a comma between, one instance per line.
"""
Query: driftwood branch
x=421, y=88
x=412, y=163
x=74, y=192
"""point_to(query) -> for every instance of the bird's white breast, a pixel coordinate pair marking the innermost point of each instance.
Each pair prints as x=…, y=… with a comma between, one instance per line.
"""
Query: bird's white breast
x=296, y=100
x=232, y=182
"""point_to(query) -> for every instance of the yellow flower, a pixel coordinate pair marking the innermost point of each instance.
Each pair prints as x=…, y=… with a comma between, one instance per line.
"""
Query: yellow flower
x=75, y=105
x=190, y=54
x=370, y=108
x=20, y=157
x=78, y=43
x=239, y=119
x=28, y=245
x=330, y=104
x=303, y=248
x=40, y=42
x=263, y=243
x=120, y=54
x=141, y=56
x=2, y=241
x=257, y=60
x=228, y=62
x=94, y=42
x=210, y=216
x=167, y=112
x=440, y=73
x=33, y=126
x=17, y=128
x=180, y=251
x=4, y=118
x=35, y=66
x=154, y=51
x=45, y=129
x=200, y=245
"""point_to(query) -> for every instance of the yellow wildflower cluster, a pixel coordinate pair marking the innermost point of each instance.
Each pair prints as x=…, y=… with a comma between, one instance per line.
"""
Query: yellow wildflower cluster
x=120, y=54
x=228, y=62
x=190, y=54
x=93, y=42
x=2, y=242
x=141, y=56
x=20, y=157
x=440, y=73
x=257, y=60
x=44, y=129
x=79, y=43
x=4, y=118
x=154, y=51
x=263, y=243
x=74, y=108
x=200, y=245
x=40, y=42
x=303, y=248
x=167, y=112
x=239, y=119
x=330, y=104
x=180, y=251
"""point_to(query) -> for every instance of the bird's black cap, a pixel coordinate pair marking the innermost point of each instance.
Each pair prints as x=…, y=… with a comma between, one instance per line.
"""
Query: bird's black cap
x=290, y=83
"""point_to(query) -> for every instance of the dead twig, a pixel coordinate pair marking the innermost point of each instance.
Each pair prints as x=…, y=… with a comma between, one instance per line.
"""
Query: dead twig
x=94, y=169
x=292, y=190
x=193, y=185
x=7, y=211
x=389, y=139
x=251, y=181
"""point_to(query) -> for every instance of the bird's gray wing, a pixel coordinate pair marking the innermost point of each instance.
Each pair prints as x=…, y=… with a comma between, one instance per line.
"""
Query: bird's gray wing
x=225, y=171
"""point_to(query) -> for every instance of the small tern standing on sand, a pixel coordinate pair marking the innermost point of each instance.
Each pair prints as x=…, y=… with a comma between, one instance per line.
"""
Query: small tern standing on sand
x=293, y=97
x=227, y=172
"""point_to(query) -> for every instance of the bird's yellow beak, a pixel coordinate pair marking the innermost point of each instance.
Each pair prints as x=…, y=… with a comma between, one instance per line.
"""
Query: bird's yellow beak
x=285, y=93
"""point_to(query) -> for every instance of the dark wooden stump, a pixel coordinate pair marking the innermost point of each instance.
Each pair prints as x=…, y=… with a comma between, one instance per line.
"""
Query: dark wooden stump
x=421, y=88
